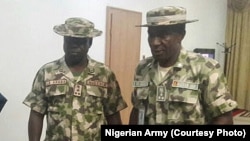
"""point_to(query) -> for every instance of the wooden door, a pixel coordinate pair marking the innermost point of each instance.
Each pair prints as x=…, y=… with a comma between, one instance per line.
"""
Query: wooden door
x=123, y=49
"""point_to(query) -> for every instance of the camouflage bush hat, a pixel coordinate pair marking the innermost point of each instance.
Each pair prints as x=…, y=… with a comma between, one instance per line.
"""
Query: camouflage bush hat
x=77, y=27
x=168, y=15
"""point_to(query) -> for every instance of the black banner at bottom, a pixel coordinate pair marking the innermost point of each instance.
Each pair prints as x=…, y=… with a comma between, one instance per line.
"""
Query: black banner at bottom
x=175, y=132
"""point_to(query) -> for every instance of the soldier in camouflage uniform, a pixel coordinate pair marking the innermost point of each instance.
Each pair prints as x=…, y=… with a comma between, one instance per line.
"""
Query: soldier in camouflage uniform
x=76, y=93
x=176, y=86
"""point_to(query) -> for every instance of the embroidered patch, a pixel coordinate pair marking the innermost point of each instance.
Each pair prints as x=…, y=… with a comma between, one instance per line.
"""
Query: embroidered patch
x=140, y=83
x=186, y=85
x=56, y=82
x=78, y=90
x=97, y=83
x=161, y=94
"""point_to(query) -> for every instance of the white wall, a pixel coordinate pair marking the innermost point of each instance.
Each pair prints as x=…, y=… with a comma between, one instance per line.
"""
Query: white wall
x=28, y=41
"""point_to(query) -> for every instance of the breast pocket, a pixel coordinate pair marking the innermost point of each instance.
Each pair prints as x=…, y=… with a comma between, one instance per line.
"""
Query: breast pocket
x=56, y=97
x=94, y=106
x=184, y=107
x=94, y=99
x=56, y=94
x=183, y=100
x=142, y=93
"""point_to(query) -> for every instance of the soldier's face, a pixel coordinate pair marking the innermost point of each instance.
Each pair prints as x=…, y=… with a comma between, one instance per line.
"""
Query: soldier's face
x=76, y=49
x=164, y=42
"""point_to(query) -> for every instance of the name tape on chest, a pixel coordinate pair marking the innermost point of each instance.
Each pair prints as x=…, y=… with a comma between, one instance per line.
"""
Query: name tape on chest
x=97, y=83
x=140, y=83
x=186, y=85
x=56, y=82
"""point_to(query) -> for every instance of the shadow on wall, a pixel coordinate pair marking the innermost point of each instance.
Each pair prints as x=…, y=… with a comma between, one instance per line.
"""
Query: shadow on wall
x=3, y=101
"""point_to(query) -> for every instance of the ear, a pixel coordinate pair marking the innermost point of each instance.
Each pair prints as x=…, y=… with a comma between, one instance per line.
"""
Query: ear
x=181, y=36
x=90, y=41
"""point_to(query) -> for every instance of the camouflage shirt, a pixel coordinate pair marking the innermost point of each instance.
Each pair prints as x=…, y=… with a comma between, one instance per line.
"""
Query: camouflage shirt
x=75, y=106
x=192, y=92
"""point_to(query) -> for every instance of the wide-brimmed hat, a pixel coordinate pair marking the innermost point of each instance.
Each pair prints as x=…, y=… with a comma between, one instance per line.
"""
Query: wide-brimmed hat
x=168, y=15
x=77, y=27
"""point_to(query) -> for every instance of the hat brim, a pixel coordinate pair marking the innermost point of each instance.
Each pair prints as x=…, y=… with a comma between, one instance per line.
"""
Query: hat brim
x=61, y=30
x=167, y=24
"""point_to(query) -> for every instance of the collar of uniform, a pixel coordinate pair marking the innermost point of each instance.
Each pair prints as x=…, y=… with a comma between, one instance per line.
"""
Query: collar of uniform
x=179, y=63
x=64, y=68
x=91, y=65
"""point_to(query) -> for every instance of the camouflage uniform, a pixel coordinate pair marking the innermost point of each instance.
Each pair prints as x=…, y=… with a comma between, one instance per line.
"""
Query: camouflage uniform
x=75, y=106
x=194, y=91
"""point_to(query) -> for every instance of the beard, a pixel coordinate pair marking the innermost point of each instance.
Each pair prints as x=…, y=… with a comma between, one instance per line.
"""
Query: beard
x=73, y=60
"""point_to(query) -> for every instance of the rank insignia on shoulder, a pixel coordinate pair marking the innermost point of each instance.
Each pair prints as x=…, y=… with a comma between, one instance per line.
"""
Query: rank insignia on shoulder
x=186, y=85
x=140, y=83
x=91, y=70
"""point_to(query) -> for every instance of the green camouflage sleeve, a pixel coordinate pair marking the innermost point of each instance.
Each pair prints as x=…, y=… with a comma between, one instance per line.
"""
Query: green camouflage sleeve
x=141, y=68
x=216, y=96
x=36, y=98
x=114, y=101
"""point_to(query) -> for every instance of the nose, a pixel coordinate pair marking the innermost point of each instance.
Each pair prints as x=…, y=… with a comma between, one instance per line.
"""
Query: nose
x=155, y=41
